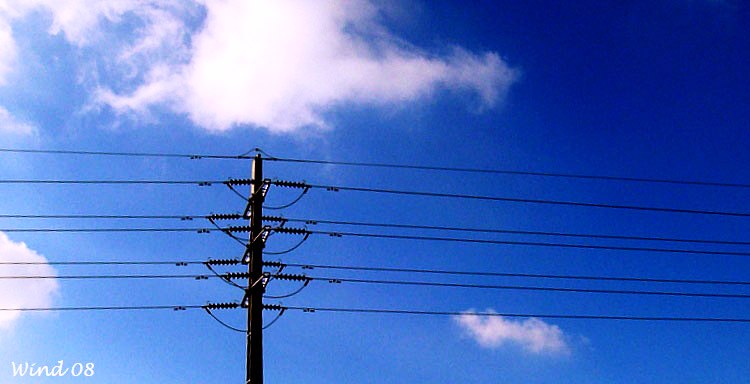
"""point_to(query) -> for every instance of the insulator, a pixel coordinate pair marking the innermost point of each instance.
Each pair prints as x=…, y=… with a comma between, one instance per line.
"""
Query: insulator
x=237, y=228
x=273, y=307
x=292, y=231
x=224, y=216
x=291, y=277
x=290, y=184
x=232, y=181
x=273, y=264
x=223, y=262
x=237, y=275
x=221, y=305
x=277, y=219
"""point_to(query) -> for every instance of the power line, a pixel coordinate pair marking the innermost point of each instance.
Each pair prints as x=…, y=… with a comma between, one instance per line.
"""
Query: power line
x=128, y=154
x=98, y=277
x=245, y=156
x=202, y=183
x=105, y=308
x=336, y=188
x=176, y=263
x=514, y=231
x=401, y=270
x=513, y=172
x=390, y=225
x=70, y=230
x=337, y=280
x=398, y=192
x=525, y=243
x=384, y=236
x=181, y=217
x=515, y=315
x=509, y=274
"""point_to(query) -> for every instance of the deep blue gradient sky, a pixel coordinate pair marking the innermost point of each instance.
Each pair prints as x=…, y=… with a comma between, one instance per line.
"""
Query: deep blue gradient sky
x=635, y=89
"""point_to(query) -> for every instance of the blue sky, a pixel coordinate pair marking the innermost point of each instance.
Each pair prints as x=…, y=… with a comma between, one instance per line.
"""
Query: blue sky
x=635, y=89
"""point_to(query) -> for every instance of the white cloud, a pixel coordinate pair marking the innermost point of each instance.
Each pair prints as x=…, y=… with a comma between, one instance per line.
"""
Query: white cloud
x=9, y=125
x=278, y=64
x=23, y=293
x=78, y=20
x=532, y=334
x=282, y=64
x=8, y=51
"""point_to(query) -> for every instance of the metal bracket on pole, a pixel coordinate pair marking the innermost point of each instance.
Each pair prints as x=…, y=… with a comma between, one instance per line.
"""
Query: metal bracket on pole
x=247, y=214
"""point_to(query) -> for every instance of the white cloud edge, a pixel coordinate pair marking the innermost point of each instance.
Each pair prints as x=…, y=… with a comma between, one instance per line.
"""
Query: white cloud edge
x=533, y=335
x=10, y=125
x=23, y=293
x=333, y=66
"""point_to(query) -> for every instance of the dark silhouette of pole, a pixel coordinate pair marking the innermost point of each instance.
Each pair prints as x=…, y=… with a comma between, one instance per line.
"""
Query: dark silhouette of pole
x=255, y=285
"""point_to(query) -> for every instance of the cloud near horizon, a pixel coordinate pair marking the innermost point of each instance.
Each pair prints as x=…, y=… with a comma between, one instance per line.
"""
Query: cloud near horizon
x=23, y=293
x=282, y=64
x=10, y=125
x=533, y=335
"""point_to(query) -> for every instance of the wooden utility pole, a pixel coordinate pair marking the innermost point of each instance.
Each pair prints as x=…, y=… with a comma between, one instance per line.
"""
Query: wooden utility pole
x=255, y=287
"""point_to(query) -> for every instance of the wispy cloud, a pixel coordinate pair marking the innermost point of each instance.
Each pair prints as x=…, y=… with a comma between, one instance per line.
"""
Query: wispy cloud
x=8, y=51
x=533, y=335
x=9, y=125
x=280, y=64
x=23, y=293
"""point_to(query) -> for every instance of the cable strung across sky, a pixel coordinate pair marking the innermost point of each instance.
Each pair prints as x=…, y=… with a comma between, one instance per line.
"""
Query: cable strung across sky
x=339, y=280
x=245, y=156
x=337, y=188
x=386, y=236
x=395, y=312
x=516, y=315
x=181, y=263
x=386, y=225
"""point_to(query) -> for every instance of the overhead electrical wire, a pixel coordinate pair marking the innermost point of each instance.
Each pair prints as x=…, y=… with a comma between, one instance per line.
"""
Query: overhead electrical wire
x=388, y=236
x=516, y=315
x=127, y=154
x=103, y=262
x=104, y=308
x=512, y=274
x=396, y=312
x=52, y=230
x=420, y=167
x=513, y=172
x=181, y=217
x=524, y=243
x=393, y=225
x=513, y=231
x=398, y=237
x=337, y=188
x=116, y=182
x=99, y=277
x=403, y=270
x=338, y=280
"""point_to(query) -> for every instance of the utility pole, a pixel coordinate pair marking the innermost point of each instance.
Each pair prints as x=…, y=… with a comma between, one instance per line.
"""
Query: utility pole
x=255, y=287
